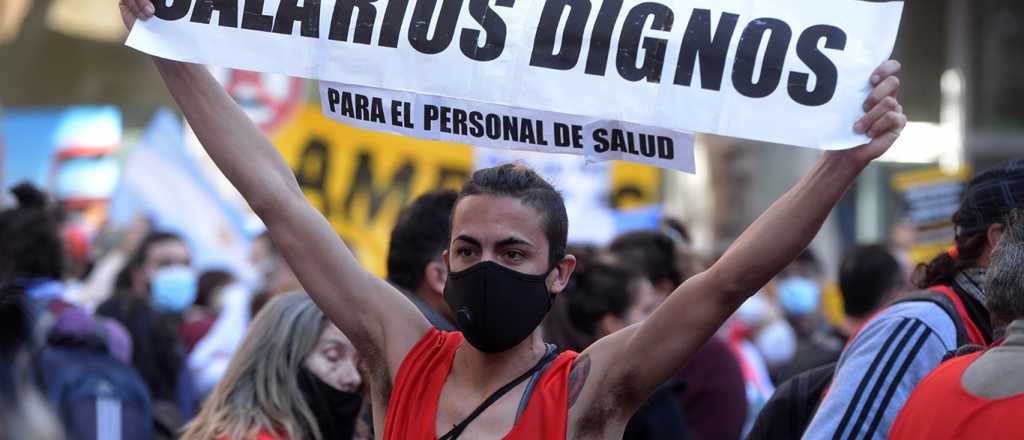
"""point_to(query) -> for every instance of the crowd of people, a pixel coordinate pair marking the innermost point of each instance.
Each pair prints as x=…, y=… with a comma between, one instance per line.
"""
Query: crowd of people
x=490, y=325
x=141, y=345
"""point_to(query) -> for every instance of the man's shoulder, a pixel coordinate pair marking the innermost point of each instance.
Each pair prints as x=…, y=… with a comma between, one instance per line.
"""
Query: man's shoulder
x=903, y=317
x=927, y=312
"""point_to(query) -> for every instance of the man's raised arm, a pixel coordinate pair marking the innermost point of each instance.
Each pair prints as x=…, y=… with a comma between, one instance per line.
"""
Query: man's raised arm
x=378, y=319
x=644, y=356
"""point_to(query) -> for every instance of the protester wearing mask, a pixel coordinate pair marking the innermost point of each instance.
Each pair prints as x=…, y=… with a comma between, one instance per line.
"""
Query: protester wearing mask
x=979, y=395
x=869, y=277
x=415, y=264
x=798, y=292
x=899, y=346
x=759, y=335
x=271, y=273
x=712, y=388
x=506, y=260
x=294, y=377
x=606, y=298
x=152, y=291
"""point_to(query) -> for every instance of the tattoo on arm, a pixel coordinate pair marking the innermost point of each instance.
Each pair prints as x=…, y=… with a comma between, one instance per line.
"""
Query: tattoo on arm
x=578, y=377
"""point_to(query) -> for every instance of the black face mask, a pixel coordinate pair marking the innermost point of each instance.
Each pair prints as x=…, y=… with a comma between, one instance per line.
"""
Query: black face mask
x=335, y=410
x=495, y=307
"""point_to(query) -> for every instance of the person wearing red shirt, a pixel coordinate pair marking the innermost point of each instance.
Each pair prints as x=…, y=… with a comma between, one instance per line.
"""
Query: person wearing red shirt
x=506, y=260
x=980, y=395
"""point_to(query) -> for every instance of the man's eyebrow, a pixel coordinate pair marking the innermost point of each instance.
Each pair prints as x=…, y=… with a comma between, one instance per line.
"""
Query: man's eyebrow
x=510, y=241
x=469, y=240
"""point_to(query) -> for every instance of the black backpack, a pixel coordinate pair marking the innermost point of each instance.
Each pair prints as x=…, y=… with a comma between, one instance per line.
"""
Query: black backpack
x=789, y=411
x=96, y=396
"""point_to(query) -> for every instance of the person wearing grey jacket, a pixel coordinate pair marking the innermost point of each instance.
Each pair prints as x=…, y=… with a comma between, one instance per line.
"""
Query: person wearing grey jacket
x=886, y=359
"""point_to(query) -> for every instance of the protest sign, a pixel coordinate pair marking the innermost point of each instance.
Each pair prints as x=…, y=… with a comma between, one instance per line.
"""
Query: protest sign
x=787, y=71
x=932, y=196
x=503, y=127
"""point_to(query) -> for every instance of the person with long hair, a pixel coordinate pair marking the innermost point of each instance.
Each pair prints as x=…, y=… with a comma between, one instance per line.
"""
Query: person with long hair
x=979, y=395
x=294, y=377
x=894, y=350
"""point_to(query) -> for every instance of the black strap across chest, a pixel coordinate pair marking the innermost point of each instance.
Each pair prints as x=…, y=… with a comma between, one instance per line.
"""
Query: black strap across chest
x=457, y=430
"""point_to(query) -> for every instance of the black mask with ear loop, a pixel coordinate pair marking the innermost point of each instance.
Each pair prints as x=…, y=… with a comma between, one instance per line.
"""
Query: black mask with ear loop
x=336, y=411
x=495, y=307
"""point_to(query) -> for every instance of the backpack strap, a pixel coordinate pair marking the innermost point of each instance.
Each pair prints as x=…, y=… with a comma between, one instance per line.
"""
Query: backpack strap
x=967, y=331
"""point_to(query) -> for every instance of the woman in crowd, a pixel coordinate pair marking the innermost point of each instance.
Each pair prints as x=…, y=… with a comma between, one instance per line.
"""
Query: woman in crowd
x=294, y=377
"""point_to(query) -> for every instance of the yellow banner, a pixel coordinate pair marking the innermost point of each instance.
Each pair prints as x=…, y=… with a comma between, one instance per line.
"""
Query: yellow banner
x=634, y=185
x=361, y=179
x=932, y=196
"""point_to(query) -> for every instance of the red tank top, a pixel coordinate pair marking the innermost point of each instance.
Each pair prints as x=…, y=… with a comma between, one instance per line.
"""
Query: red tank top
x=940, y=408
x=412, y=411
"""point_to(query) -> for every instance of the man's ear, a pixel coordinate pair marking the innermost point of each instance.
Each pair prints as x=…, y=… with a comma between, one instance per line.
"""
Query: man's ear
x=559, y=277
x=994, y=234
x=435, y=274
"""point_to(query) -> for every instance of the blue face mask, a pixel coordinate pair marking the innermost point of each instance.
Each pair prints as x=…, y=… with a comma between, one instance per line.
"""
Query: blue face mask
x=799, y=296
x=173, y=288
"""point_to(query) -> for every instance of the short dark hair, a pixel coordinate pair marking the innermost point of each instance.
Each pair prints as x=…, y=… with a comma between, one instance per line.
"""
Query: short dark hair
x=600, y=289
x=210, y=282
x=30, y=236
x=420, y=235
x=151, y=239
x=651, y=250
x=519, y=181
x=867, y=275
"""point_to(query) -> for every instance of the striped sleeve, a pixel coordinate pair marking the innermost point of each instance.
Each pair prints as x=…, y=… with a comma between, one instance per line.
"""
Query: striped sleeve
x=879, y=369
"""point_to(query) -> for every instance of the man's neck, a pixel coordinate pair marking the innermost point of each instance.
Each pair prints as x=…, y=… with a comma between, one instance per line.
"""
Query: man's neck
x=487, y=372
x=435, y=301
x=850, y=325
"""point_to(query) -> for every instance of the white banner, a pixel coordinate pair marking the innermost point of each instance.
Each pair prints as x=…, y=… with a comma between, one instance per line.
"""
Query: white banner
x=503, y=127
x=785, y=71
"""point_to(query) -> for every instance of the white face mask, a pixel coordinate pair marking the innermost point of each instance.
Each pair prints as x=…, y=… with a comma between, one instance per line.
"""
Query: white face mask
x=754, y=310
x=799, y=296
x=776, y=342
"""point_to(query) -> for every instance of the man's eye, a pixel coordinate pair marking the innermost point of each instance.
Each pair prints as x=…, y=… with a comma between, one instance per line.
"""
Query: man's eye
x=464, y=252
x=514, y=255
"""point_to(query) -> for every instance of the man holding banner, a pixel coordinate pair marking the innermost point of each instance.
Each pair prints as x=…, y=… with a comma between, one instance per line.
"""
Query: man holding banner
x=496, y=378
